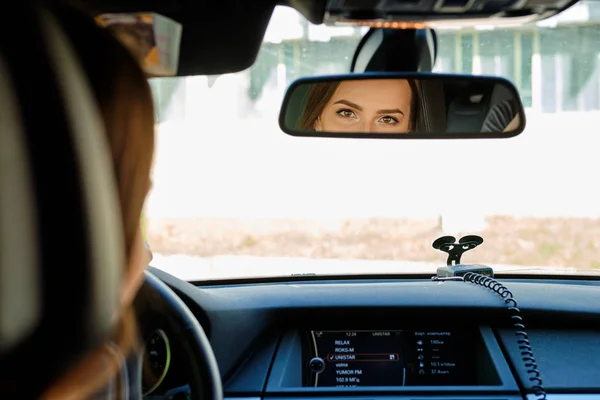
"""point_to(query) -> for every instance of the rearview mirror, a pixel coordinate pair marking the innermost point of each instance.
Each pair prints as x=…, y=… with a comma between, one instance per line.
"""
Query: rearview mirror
x=402, y=106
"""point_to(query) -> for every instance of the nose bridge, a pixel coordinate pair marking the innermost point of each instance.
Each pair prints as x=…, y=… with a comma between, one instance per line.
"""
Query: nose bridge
x=367, y=124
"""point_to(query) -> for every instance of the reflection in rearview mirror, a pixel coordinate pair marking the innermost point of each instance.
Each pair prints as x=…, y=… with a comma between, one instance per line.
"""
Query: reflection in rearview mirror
x=416, y=106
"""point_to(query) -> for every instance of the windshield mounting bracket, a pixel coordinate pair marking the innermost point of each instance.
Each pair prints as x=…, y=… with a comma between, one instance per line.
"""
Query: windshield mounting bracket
x=455, y=250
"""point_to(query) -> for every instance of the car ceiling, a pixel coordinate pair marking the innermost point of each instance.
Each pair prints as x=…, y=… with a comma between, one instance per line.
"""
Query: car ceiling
x=222, y=37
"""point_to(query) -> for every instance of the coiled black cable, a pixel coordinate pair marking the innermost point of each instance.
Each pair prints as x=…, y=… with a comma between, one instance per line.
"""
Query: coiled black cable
x=523, y=341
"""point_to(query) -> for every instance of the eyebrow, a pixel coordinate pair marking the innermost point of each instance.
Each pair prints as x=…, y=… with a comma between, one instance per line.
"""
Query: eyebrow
x=349, y=104
x=390, y=111
x=359, y=108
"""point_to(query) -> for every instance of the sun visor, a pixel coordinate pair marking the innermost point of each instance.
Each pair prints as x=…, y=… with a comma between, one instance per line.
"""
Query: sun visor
x=154, y=39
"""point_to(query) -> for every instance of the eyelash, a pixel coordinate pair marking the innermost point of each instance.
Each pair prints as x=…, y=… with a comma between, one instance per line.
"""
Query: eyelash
x=345, y=110
x=395, y=120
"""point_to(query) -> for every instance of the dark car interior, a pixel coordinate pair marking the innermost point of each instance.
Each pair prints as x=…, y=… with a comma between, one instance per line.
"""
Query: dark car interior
x=457, y=337
x=468, y=106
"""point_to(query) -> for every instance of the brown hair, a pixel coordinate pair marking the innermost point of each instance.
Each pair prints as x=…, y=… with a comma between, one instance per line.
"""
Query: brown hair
x=125, y=101
x=320, y=93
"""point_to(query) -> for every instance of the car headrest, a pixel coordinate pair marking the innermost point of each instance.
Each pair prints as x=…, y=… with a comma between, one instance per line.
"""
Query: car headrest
x=467, y=112
x=61, y=245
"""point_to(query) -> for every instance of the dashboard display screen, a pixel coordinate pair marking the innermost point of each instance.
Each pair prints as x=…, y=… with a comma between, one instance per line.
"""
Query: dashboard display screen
x=388, y=358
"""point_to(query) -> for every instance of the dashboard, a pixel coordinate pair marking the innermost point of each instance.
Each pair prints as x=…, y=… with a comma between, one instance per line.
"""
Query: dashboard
x=396, y=339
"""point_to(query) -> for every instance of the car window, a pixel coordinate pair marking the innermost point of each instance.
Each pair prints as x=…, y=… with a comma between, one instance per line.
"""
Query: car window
x=235, y=197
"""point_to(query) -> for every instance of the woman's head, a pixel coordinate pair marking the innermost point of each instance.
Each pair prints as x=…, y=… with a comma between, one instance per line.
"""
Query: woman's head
x=369, y=106
x=125, y=102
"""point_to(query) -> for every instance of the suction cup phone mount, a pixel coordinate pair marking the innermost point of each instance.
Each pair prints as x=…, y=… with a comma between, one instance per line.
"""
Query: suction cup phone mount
x=455, y=250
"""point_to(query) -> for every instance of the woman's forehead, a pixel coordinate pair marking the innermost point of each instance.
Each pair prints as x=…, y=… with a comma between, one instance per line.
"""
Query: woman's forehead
x=373, y=89
x=373, y=85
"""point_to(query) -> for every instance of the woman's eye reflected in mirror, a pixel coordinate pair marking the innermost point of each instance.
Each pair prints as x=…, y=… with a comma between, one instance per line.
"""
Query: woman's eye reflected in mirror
x=431, y=106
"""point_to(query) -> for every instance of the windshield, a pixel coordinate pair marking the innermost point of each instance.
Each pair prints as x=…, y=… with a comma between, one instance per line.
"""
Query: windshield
x=235, y=197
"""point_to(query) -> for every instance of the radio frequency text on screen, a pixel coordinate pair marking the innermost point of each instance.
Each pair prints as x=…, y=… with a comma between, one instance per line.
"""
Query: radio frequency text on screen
x=388, y=358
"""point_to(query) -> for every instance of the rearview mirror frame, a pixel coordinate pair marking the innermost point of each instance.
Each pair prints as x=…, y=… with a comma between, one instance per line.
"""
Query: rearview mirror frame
x=413, y=135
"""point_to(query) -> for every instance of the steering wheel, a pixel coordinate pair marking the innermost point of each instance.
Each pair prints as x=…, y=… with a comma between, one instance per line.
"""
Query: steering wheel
x=205, y=378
